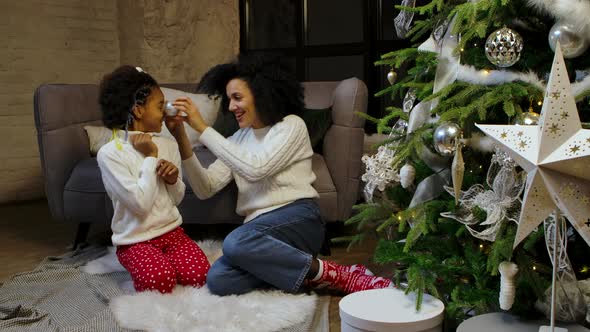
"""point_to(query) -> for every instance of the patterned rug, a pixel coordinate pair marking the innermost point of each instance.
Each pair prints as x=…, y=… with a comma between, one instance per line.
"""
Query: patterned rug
x=87, y=290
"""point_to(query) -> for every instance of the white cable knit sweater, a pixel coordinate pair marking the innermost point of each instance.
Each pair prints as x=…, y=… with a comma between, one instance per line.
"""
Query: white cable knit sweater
x=271, y=166
x=144, y=205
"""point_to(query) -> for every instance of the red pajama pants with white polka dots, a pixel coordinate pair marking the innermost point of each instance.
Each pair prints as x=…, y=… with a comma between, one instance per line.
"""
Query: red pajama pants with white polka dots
x=162, y=262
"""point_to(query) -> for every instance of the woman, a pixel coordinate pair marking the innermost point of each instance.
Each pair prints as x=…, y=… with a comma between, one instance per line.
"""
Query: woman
x=269, y=158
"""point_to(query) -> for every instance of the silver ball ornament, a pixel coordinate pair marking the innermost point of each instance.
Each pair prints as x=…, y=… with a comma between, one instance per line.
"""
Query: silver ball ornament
x=529, y=118
x=391, y=77
x=572, y=43
x=445, y=138
x=503, y=47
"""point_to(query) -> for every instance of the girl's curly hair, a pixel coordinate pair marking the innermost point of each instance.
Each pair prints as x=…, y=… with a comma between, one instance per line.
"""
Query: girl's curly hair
x=276, y=91
x=120, y=90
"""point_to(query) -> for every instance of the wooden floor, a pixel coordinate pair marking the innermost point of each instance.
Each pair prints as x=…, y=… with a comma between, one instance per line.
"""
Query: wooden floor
x=28, y=234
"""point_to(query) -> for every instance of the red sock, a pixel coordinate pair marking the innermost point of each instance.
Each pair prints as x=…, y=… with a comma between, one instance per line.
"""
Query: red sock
x=356, y=268
x=337, y=276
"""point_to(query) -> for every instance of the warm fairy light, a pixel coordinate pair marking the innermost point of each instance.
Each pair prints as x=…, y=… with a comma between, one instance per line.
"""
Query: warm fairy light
x=399, y=217
x=539, y=103
x=534, y=268
x=485, y=72
x=481, y=246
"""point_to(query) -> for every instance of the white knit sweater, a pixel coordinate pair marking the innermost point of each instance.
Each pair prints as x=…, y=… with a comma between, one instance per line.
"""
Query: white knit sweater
x=144, y=205
x=271, y=166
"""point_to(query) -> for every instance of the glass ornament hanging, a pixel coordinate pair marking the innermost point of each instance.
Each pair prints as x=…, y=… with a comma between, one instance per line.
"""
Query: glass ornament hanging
x=503, y=47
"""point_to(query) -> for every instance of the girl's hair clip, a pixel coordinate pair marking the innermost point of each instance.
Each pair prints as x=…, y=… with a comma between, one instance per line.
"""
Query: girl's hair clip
x=139, y=69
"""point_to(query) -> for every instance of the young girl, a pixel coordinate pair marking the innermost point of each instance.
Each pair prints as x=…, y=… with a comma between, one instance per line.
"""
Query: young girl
x=141, y=174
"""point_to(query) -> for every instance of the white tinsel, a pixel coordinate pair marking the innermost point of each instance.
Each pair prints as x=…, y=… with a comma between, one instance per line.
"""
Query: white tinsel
x=480, y=142
x=469, y=74
x=575, y=12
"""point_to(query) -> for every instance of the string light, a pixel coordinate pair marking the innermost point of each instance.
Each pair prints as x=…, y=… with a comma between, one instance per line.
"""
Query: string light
x=534, y=268
x=539, y=103
x=481, y=246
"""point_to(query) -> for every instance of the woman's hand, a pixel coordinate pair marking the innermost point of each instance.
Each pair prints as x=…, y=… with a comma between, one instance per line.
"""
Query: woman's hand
x=143, y=144
x=193, y=116
x=167, y=171
x=175, y=125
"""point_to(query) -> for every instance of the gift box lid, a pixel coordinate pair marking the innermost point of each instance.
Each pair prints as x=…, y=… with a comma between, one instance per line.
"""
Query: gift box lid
x=377, y=309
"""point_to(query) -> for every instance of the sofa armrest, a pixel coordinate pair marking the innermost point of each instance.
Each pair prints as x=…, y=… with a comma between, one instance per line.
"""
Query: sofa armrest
x=343, y=143
x=61, y=111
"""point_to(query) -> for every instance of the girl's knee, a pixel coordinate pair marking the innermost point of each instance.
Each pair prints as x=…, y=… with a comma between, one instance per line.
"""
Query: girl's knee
x=164, y=282
x=195, y=278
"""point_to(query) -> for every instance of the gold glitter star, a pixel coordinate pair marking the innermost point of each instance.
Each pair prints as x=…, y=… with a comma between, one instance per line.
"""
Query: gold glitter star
x=520, y=133
x=568, y=191
x=555, y=94
x=503, y=135
x=522, y=144
x=574, y=149
x=554, y=128
x=564, y=115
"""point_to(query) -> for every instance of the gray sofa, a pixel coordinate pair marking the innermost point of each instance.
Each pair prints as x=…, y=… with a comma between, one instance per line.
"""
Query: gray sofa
x=74, y=188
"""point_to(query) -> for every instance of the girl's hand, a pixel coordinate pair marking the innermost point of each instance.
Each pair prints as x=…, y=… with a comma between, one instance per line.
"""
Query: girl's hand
x=167, y=171
x=143, y=144
x=193, y=116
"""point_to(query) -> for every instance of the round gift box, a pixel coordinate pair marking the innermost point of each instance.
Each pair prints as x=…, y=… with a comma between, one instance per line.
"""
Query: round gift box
x=390, y=310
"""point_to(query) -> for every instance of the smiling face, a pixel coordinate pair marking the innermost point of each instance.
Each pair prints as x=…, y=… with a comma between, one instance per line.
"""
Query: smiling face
x=149, y=116
x=241, y=104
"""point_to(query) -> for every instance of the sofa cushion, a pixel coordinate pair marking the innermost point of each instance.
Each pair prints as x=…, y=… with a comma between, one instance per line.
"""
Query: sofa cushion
x=323, y=182
x=85, y=192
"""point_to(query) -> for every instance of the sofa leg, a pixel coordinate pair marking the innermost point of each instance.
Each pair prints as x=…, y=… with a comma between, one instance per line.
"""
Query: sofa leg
x=81, y=234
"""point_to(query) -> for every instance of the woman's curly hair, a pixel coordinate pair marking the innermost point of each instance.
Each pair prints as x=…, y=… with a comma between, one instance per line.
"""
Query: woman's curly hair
x=120, y=90
x=276, y=91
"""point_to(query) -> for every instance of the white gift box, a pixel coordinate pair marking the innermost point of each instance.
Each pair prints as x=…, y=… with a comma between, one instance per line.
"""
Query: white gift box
x=390, y=310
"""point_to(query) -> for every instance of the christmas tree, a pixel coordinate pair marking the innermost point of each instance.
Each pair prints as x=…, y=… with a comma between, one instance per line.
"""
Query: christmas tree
x=443, y=199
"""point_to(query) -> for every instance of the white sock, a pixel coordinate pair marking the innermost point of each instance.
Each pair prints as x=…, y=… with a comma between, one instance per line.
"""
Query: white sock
x=320, y=271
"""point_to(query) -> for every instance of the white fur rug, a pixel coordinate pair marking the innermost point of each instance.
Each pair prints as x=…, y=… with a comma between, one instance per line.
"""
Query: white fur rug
x=192, y=309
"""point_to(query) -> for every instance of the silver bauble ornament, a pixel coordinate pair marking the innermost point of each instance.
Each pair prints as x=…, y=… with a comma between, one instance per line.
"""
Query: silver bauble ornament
x=572, y=43
x=503, y=47
x=391, y=77
x=529, y=118
x=445, y=138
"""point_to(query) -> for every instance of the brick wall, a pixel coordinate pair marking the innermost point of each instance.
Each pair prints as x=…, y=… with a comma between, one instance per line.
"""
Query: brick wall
x=179, y=40
x=64, y=41
x=77, y=41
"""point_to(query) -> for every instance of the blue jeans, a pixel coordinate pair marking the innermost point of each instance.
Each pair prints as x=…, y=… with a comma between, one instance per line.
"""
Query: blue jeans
x=274, y=249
